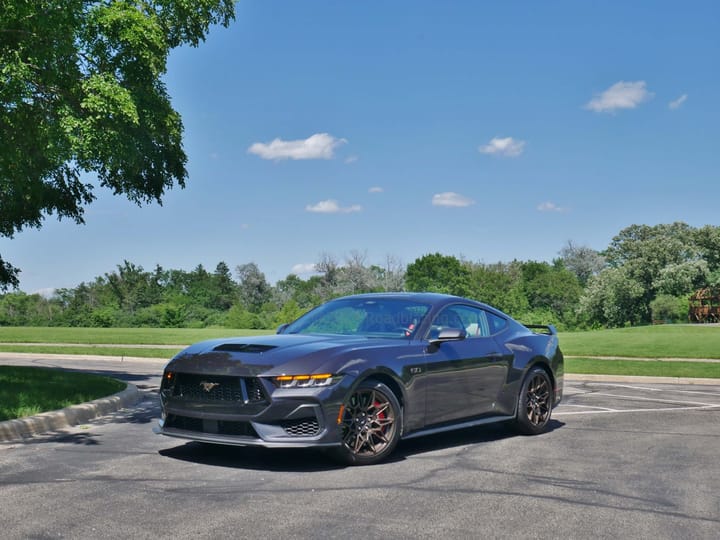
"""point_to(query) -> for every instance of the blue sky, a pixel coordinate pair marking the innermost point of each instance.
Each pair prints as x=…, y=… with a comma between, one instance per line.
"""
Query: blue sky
x=491, y=131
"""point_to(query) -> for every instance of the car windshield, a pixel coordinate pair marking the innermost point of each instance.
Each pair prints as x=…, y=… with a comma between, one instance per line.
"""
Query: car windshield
x=371, y=317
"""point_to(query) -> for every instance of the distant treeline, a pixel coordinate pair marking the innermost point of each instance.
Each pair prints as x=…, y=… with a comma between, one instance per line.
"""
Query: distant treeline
x=646, y=274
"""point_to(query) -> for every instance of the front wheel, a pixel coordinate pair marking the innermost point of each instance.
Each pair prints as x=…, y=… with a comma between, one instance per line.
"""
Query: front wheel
x=369, y=425
x=534, y=403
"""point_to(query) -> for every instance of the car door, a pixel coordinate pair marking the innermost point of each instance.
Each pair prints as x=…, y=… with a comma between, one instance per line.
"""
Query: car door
x=463, y=376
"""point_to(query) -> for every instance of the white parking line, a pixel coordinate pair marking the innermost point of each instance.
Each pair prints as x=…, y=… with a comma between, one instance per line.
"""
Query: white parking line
x=663, y=404
x=607, y=409
x=638, y=398
x=673, y=390
x=668, y=409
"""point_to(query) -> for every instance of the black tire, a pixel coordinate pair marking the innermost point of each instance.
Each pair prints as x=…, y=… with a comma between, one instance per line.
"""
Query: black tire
x=369, y=425
x=535, y=403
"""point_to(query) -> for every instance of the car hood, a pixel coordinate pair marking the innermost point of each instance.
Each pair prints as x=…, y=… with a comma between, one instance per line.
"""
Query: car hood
x=273, y=355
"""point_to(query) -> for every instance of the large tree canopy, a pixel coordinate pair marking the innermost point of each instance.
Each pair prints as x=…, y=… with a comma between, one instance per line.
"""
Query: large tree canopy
x=80, y=92
x=646, y=261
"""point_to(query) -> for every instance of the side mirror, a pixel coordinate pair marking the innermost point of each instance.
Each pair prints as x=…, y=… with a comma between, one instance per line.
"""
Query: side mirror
x=282, y=328
x=449, y=334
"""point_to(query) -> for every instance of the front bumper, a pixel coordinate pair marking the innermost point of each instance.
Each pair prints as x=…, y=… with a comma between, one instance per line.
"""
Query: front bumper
x=283, y=418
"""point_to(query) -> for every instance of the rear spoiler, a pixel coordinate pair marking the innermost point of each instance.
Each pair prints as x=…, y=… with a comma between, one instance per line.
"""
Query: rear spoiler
x=548, y=329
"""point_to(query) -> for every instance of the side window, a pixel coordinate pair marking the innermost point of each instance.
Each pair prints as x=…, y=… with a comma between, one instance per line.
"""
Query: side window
x=496, y=323
x=475, y=321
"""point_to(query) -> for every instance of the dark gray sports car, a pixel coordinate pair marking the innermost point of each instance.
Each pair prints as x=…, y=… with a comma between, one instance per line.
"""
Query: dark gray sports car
x=359, y=373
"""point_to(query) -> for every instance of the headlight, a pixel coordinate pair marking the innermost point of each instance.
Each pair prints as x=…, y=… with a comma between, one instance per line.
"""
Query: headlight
x=306, y=381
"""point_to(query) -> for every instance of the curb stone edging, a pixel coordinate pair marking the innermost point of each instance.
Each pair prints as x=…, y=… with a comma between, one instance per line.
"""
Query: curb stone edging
x=578, y=377
x=24, y=428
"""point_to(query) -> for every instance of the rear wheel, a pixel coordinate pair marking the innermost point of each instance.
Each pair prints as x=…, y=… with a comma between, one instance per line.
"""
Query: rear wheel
x=534, y=403
x=369, y=424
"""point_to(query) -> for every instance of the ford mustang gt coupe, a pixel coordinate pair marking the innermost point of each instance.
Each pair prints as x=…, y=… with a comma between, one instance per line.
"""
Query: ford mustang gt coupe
x=359, y=373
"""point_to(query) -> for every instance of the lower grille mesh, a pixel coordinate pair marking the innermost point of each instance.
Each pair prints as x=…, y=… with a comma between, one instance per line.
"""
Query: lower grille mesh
x=304, y=427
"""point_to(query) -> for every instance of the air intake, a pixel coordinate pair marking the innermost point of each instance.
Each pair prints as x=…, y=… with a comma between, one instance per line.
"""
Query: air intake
x=243, y=347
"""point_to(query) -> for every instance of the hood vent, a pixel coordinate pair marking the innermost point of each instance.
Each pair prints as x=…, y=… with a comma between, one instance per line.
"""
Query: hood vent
x=243, y=347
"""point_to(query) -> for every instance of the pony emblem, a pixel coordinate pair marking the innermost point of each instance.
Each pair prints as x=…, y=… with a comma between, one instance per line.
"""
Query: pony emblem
x=208, y=386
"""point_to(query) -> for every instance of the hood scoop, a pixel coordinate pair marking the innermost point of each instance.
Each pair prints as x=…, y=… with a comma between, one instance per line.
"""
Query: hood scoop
x=244, y=348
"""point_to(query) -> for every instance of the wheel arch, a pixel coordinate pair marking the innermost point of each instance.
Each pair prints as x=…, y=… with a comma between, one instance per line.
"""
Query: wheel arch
x=544, y=364
x=388, y=380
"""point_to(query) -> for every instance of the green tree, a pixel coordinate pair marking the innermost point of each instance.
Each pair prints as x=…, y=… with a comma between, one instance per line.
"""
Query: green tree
x=20, y=309
x=614, y=298
x=501, y=286
x=254, y=289
x=551, y=287
x=438, y=273
x=582, y=261
x=659, y=258
x=707, y=239
x=289, y=312
x=224, y=289
x=667, y=308
x=82, y=100
x=305, y=293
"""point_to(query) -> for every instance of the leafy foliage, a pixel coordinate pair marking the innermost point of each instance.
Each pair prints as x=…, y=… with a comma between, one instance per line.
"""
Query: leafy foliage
x=650, y=274
x=81, y=92
x=438, y=273
x=582, y=261
x=646, y=261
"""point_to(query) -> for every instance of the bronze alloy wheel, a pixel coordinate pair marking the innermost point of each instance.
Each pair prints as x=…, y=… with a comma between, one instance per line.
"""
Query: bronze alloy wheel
x=535, y=402
x=369, y=424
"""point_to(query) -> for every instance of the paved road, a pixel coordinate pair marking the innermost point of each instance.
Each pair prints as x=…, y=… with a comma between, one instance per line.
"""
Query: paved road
x=622, y=460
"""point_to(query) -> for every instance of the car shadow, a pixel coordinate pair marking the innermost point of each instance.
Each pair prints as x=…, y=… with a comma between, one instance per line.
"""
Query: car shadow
x=461, y=437
x=315, y=460
x=249, y=457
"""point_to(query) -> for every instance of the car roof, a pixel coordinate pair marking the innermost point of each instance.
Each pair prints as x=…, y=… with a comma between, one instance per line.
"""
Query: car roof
x=435, y=299
x=420, y=296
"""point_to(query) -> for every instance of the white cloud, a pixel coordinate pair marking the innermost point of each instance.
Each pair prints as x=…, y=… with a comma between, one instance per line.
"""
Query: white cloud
x=503, y=147
x=303, y=269
x=550, y=207
x=351, y=159
x=451, y=199
x=318, y=146
x=678, y=102
x=376, y=189
x=621, y=95
x=331, y=206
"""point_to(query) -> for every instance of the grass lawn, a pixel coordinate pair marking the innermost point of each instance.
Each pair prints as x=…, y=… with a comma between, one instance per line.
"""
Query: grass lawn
x=25, y=391
x=652, y=368
x=119, y=336
x=99, y=350
x=661, y=341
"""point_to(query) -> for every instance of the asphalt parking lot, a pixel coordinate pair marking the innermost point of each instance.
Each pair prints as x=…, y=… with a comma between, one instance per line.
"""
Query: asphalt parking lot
x=627, y=460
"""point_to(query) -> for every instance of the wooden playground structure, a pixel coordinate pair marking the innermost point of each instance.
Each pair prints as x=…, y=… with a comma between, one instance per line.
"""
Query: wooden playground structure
x=705, y=306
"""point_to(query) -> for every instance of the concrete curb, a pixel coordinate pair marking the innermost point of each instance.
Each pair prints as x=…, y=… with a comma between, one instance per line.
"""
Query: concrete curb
x=97, y=357
x=639, y=379
x=24, y=428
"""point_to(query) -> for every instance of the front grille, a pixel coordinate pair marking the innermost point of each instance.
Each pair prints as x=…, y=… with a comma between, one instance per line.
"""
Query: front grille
x=219, y=427
x=219, y=388
x=255, y=391
x=303, y=427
